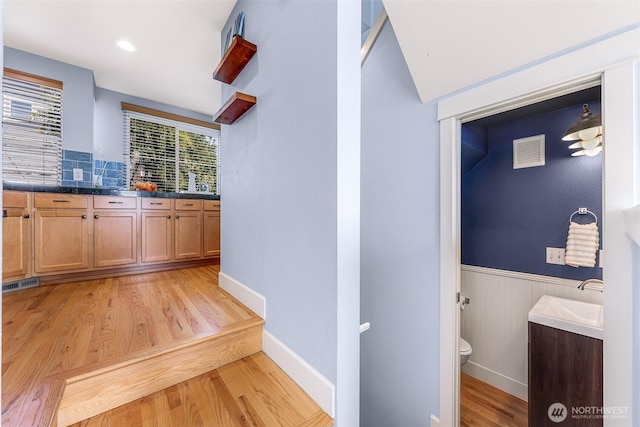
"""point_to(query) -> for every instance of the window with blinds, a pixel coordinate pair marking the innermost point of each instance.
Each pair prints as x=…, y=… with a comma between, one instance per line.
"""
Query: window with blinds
x=163, y=148
x=31, y=129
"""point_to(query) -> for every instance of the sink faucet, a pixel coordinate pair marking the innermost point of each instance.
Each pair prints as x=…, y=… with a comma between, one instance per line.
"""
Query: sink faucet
x=590, y=281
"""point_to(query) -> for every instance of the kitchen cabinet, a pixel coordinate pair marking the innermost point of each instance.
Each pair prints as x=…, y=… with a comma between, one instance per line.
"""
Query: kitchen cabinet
x=564, y=368
x=211, y=228
x=61, y=237
x=156, y=230
x=15, y=243
x=188, y=229
x=61, y=232
x=114, y=231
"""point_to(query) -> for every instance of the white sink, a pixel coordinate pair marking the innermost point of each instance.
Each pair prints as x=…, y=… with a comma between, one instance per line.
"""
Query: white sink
x=569, y=315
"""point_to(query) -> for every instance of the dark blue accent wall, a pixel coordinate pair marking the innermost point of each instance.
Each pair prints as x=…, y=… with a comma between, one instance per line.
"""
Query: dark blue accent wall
x=510, y=216
x=474, y=145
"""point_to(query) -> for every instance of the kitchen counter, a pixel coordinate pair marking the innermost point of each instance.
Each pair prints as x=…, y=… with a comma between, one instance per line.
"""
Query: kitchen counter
x=105, y=191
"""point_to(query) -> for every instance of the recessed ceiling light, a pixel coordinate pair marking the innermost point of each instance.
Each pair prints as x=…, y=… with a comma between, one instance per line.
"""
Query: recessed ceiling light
x=126, y=45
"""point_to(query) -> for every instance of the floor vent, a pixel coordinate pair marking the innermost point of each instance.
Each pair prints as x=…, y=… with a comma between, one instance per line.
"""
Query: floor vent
x=528, y=152
x=16, y=285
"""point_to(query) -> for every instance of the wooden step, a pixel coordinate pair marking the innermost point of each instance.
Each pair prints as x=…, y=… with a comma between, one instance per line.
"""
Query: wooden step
x=253, y=391
x=94, y=389
x=73, y=351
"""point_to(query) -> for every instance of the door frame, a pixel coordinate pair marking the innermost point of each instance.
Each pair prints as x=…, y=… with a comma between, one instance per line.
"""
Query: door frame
x=612, y=60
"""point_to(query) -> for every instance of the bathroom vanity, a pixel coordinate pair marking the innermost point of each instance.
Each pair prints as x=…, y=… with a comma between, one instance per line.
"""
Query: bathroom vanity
x=565, y=363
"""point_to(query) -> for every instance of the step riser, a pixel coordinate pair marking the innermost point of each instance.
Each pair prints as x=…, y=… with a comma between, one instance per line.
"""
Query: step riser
x=93, y=392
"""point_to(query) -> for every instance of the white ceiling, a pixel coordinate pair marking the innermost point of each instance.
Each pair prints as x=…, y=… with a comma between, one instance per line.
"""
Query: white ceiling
x=453, y=44
x=178, y=44
x=448, y=45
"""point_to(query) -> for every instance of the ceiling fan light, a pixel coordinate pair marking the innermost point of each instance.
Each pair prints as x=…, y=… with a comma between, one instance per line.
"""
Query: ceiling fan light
x=576, y=145
x=590, y=143
x=593, y=151
x=586, y=122
x=589, y=133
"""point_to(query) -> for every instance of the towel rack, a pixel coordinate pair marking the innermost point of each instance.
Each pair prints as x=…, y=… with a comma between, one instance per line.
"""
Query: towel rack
x=583, y=211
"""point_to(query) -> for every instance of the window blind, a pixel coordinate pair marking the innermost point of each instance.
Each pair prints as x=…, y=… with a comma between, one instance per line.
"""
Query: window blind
x=32, y=129
x=164, y=150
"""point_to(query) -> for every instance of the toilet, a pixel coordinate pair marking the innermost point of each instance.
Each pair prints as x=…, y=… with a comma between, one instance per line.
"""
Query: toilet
x=465, y=350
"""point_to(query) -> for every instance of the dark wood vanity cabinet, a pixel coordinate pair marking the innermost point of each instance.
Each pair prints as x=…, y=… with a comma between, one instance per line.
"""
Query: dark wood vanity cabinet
x=565, y=368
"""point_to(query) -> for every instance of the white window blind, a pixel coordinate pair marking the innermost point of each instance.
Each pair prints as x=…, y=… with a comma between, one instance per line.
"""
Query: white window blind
x=163, y=150
x=31, y=129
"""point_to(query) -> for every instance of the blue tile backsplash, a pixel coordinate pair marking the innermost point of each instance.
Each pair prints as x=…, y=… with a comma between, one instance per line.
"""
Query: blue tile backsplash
x=112, y=172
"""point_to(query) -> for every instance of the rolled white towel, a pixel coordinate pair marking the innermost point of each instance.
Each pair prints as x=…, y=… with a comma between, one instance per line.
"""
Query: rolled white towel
x=583, y=241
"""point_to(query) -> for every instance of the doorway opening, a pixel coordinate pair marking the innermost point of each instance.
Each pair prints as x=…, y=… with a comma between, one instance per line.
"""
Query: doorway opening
x=511, y=210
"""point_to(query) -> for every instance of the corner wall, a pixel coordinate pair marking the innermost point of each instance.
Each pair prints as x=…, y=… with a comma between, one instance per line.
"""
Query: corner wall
x=287, y=227
x=399, y=244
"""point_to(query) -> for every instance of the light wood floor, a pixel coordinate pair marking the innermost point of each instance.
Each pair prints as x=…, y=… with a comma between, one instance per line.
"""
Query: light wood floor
x=484, y=405
x=54, y=329
x=249, y=392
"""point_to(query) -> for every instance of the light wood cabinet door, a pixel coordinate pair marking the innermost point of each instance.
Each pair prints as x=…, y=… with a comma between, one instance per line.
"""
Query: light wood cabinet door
x=211, y=233
x=188, y=235
x=114, y=238
x=156, y=235
x=61, y=240
x=15, y=243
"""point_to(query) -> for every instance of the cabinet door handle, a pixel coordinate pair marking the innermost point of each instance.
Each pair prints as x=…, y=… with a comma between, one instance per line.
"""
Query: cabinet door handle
x=168, y=216
x=4, y=213
x=25, y=216
x=157, y=203
x=84, y=217
x=115, y=203
x=60, y=201
x=188, y=204
x=96, y=216
x=177, y=216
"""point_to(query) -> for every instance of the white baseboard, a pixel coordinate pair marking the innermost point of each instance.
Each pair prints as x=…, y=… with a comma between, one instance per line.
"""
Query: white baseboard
x=320, y=389
x=247, y=296
x=496, y=379
x=435, y=421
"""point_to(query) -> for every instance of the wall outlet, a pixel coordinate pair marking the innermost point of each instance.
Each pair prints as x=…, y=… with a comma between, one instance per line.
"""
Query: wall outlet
x=77, y=174
x=555, y=256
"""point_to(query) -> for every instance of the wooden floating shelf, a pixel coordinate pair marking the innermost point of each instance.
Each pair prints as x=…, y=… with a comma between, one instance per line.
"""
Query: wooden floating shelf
x=234, y=108
x=234, y=60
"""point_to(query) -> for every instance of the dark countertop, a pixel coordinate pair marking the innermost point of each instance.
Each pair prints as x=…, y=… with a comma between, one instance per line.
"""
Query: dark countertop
x=105, y=191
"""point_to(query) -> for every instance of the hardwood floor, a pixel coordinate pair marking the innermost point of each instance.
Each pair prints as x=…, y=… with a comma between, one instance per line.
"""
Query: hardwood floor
x=484, y=405
x=76, y=329
x=250, y=392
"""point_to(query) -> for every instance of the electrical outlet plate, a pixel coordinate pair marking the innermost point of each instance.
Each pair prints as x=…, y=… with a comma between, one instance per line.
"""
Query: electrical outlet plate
x=555, y=256
x=77, y=174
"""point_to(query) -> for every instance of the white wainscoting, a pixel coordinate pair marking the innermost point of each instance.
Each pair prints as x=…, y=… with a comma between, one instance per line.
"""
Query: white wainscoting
x=495, y=321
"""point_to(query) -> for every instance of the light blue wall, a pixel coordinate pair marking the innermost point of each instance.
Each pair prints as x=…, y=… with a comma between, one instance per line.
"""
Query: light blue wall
x=400, y=284
x=92, y=116
x=109, y=125
x=77, y=101
x=281, y=219
x=636, y=269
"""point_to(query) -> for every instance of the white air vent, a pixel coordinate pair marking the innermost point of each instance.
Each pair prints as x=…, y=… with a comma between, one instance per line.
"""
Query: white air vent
x=528, y=152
